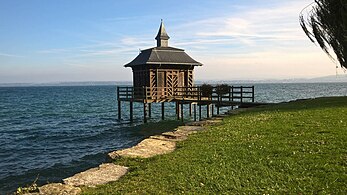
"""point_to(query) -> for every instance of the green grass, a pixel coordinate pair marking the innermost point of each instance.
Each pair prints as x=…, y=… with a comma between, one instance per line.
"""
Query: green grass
x=297, y=147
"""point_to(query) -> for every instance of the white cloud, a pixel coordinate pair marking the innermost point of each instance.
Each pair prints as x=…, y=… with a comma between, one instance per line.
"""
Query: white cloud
x=278, y=23
x=255, y=43
x=10, y=55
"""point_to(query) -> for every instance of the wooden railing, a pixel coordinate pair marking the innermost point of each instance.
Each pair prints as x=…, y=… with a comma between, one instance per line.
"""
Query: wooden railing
x=235, y=94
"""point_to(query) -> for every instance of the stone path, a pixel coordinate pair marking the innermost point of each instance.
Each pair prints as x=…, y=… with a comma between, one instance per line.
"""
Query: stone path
x=145, y=149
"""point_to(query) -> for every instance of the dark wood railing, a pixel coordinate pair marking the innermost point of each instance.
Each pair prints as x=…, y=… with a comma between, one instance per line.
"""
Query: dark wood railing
x=235, y=94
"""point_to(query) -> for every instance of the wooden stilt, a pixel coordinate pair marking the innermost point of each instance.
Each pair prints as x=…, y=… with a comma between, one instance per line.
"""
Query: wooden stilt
x=212, y=110
x=162, y=111
x=119, y=110
x=253, y=86
x=190, y=109
x=194, y=112
x=208, y=110
x=182, y=112
x=131, y=111
x=149, y=110
x=199, y=111
x=145, y=112
x=218, y=110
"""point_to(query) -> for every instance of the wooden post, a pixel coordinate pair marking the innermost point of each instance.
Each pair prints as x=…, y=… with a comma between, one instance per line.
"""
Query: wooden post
x=241, y=92
x=182, y=111
x=131, y=111
x=220, y=99
x=178, y=110
x=232, y=93
x=194, y=112
x=149, y=110
x=252, y=93
x=119, y=110
x=212, y=109
x=162, y=111
x=145, y=112
x=199, y=111
x=190, y=109
x=208, y=110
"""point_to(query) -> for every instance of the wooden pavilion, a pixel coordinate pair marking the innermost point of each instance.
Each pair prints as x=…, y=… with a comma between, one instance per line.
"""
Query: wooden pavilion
x=166, y=74
x=163, y=67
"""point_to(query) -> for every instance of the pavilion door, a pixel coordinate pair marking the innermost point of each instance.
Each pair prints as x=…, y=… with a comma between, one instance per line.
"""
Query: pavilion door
x=172, y=82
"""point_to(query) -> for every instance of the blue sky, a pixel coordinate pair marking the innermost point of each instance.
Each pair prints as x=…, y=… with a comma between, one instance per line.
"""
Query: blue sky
x=77, y=40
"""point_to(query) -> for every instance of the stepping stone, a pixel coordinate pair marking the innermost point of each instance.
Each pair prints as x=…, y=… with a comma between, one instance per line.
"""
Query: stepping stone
x=59, y=189
x=145, y=149
x=190, y=128
x=99, y=175
x=170, y=136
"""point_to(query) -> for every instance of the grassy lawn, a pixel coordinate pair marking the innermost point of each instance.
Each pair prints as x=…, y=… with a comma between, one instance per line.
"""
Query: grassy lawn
x=297, y=147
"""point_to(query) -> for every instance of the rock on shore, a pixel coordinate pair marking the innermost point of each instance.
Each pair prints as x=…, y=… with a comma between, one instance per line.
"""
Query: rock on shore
x=99, y=175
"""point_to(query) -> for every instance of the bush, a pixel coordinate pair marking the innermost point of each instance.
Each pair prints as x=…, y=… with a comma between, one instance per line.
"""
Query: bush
x=206, y=90
x=222, y=89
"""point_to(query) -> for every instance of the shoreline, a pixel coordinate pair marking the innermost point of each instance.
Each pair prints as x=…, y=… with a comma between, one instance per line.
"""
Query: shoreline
x=108, y=171
x=142, y=150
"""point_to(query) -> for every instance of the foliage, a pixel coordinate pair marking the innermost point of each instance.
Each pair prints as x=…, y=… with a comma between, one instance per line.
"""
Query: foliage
x=206, y=90
x=29, y=189
x=290, y=148
x=326, y=24
x=222, y=89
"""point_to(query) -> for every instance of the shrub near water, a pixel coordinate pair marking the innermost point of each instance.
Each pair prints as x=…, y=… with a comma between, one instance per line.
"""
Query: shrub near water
x=290, y=148
x=222, y=89
x=206, y=90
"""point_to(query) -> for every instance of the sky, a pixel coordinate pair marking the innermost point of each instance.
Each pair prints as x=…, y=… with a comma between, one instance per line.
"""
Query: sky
x=78, y=40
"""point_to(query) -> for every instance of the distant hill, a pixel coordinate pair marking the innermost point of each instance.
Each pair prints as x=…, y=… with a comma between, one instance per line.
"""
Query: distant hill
x=332, y=78
x=325, y=79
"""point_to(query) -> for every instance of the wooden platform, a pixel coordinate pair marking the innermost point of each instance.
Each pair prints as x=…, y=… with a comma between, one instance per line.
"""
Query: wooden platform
x=239, y=96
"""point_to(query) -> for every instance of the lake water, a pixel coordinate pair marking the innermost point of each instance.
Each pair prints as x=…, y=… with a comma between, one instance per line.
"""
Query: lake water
x=54, y=132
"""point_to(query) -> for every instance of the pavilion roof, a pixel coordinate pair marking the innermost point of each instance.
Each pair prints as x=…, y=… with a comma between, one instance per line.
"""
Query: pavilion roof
x=163, y=55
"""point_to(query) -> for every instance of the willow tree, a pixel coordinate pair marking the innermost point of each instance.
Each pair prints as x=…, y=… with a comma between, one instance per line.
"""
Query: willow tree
x=325, y=24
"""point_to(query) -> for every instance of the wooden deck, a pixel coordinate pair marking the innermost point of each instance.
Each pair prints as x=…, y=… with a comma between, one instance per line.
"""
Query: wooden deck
x=236, y=94
x=239, y=96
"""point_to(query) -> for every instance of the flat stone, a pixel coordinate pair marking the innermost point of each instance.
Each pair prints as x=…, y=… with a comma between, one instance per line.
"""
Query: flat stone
x=195, y=123
x=145, y=149
x=59, y=189
x=170, y=136
x=190, y=128
x=99, y=175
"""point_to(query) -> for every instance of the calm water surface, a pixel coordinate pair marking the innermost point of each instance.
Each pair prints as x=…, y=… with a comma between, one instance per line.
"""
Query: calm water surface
x=55, y=132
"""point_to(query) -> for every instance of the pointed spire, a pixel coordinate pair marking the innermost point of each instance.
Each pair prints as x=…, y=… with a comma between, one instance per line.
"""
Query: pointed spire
x=162, y=37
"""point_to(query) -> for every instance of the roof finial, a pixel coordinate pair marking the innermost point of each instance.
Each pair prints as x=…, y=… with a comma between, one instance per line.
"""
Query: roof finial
x=162, y=37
